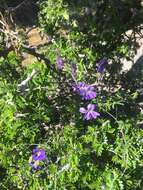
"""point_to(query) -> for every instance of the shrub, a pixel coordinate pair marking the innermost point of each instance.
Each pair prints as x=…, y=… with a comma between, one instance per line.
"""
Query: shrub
x=67, y=120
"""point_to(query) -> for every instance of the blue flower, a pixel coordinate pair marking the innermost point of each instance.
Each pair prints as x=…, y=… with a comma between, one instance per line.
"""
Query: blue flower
x=89, y=113
x=101, y=65
x=35, y=165
x=87, y=92
x=38, y=154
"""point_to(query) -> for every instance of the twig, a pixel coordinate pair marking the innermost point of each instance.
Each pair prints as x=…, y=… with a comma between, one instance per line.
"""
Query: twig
x=33, y=52
x=24, y=83
x=20, y=115
x=112, y=116
x=13, y=9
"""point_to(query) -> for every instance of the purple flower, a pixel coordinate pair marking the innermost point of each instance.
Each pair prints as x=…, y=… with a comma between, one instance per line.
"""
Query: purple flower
x=101, y=65
x=60, y=63
x=38, y=154
x=35, y=165
x=89, y=113
x=87, y=92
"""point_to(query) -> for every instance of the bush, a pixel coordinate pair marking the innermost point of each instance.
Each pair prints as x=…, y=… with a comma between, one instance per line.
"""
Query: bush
x=48, y=107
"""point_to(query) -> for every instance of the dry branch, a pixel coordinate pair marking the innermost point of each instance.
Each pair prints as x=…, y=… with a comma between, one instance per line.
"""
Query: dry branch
x=30, y=76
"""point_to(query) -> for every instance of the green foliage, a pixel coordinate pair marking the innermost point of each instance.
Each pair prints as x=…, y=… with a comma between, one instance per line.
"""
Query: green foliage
x=104, y=154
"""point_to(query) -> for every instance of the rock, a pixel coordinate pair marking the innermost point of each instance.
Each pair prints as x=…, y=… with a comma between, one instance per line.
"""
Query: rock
x=137, y=51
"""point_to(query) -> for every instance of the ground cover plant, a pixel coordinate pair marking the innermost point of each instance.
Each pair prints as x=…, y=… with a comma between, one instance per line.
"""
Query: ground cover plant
x=70, y=117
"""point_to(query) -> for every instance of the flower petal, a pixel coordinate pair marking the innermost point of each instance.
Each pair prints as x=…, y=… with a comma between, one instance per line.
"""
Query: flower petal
x=90, y=95
x=88, y=116
x=42, y=154
x=91, y=107
x=38, y=154
x=35, y=150
x=101, y=65
x=95, y=114
x=82, y=110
